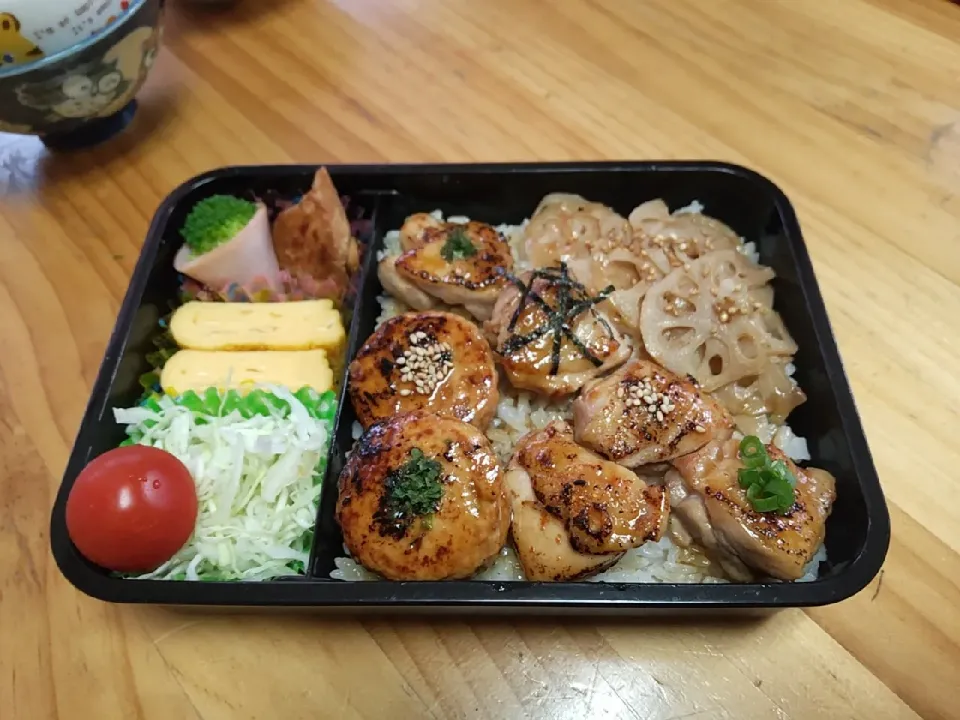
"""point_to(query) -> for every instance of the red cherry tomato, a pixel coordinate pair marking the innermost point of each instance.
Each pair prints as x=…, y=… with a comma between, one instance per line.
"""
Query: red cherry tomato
x=132, y=508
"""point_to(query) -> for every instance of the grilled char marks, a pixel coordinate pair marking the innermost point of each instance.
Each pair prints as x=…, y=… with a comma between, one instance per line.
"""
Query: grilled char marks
x=644, y=414
x=606, y=508
x=422, y=498
x=432, y=361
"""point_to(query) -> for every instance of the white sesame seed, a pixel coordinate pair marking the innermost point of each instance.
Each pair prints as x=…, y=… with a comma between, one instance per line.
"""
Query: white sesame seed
x=700, y=429
x=660, y=415
x=425, y=365
x=405, y=392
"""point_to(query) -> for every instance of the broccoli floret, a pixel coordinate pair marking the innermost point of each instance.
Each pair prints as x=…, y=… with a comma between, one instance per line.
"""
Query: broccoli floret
x=214, y=221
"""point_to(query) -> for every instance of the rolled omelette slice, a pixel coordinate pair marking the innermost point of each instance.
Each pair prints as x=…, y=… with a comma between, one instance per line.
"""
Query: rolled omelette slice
x=297, y=325
x=244, y=370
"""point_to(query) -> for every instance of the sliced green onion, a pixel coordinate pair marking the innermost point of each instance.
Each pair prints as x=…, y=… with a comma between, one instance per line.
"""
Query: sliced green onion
x=781, y=470
x=749, y=477
x=765, y=505
x=770, y=485
x=778, y=486
x=752, y=452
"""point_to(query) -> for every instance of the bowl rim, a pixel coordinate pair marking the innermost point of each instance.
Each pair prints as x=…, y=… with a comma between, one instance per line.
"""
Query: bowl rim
x=20, y=69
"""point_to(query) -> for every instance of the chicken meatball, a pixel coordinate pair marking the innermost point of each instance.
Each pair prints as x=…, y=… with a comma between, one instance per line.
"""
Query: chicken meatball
x=422, y=498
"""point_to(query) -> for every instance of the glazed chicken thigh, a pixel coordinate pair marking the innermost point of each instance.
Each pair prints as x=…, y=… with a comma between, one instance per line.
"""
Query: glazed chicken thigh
x=570, y=504
x=456, y=264
x=644, y=414
x=550, y=335
x=711, y=506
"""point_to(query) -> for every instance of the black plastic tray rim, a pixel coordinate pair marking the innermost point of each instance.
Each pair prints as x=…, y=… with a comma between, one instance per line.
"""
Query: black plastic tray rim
x=498, y=595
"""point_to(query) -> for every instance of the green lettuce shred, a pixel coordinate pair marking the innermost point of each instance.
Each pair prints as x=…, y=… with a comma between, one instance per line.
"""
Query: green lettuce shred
x=213, y=403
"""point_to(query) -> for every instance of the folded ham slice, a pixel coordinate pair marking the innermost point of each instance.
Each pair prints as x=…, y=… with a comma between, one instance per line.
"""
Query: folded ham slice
x=247, y=257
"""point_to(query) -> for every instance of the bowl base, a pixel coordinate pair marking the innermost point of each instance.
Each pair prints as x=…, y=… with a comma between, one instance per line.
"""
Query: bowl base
x=93, y=132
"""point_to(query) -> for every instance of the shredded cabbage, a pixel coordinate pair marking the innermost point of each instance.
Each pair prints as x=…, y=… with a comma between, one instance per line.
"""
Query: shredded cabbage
x=258, y=463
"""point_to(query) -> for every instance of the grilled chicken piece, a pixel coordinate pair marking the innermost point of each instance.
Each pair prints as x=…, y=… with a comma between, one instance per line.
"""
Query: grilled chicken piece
x=644, y=413
x=313, y=237
x=422, y=498
x=604, y=507
x=689, y=522
x=401, y=288
x=453, y=263
x=542, y=542
x=414, y=233
x=434, y=361
x=550, y=334
x=712, y=506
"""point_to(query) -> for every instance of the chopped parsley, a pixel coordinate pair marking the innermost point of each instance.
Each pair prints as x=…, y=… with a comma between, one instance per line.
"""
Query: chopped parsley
x=769, y=484
x=457, y=246
x=413, y=490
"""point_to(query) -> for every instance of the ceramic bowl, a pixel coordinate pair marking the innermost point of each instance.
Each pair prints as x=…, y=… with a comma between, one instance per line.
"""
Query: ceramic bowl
x=33, y=29
x=85, y=93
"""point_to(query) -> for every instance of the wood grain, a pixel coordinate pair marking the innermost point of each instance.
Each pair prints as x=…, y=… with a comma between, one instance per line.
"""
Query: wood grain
x=852, y=106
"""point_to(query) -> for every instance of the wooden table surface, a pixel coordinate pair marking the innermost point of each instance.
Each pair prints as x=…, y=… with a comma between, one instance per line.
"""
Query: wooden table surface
x=852, y=106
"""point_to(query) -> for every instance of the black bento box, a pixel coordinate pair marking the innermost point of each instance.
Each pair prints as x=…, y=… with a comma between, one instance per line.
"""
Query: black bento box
x=858, y=531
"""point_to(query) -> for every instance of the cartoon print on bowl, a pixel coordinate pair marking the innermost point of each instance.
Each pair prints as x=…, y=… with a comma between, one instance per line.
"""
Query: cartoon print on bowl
x=99, y=88
x=31, y=29
x=87, y=92
x=14, y=47
x=134, y=56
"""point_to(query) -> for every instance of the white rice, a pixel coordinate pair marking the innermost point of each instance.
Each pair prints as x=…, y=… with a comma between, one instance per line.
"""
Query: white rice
x=692, y=209
x=653, y=562
x=750, y=250
x=520, y=412
x=794, y=446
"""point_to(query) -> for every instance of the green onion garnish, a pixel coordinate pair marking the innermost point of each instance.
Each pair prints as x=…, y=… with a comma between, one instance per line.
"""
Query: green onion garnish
x=769, y=484
x=752, y=452
x=457, y=246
